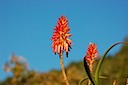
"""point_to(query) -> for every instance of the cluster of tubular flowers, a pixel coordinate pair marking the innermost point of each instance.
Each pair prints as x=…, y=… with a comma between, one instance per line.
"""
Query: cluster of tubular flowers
x=91, y=55
x=60, y=38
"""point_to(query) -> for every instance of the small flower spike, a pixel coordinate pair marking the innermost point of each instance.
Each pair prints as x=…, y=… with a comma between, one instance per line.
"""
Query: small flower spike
x=91, y=54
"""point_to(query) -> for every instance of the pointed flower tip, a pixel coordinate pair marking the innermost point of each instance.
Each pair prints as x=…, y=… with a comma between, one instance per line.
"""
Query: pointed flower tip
x=60, y=38
x=90, y=43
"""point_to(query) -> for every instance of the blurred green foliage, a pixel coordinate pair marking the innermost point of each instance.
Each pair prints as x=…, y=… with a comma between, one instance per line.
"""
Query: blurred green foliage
x=115, y=67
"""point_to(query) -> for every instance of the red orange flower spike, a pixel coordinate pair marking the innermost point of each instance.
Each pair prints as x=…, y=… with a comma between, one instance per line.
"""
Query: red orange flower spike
x=91, y=54
x=60, y=38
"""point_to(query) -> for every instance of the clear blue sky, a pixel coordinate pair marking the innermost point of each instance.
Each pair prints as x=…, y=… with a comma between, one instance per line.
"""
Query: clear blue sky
x=26, y=27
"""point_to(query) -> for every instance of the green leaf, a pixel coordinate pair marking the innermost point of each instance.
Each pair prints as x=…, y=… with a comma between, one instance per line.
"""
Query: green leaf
x=102, y=59
x=82, y=80
x=85, y=78
x=90, y=76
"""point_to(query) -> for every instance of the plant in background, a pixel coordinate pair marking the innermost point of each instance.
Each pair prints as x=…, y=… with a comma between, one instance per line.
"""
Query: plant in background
x=91, y=55
x=17, y=66
x=61, y=41
x=88, y=62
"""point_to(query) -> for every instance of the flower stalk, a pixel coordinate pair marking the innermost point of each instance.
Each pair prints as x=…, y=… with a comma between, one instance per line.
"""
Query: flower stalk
x=114, y=82
x=61, y=42
x=63, y=69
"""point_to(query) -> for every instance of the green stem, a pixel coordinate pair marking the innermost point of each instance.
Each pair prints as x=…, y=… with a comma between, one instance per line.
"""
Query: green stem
x=101, y=61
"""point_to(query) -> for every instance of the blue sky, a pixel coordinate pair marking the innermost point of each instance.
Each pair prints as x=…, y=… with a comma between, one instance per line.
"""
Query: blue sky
x=26, y=27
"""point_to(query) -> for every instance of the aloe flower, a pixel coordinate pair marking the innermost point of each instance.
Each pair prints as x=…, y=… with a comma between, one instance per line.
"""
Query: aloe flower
x=60, y=38
x=61, y=42
x=91, y=54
